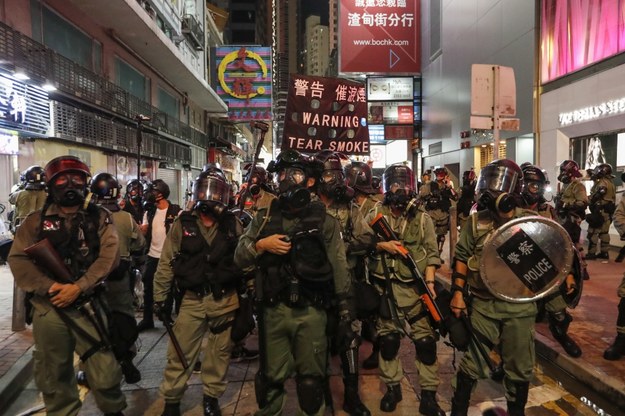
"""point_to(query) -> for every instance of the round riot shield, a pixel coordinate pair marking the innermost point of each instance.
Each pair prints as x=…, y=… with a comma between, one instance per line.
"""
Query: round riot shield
x=526, y=259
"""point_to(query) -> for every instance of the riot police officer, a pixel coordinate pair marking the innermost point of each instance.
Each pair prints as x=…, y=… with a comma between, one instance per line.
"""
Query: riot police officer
x=466, y=199
x=106, y=191
x=602, y=206
x=87, y=242
x=157, y=219
x=534, y=183
x=258, y=195
x=617, y=349
x=133, y=199
x=571, y=200
x=301, y=268
x=197, y=257
x=31, y=197
x=510, y=324
x=437, y=196
x=394, y=280
x=359, y=241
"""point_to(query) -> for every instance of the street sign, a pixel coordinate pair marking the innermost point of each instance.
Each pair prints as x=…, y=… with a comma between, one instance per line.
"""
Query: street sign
x=380, y=36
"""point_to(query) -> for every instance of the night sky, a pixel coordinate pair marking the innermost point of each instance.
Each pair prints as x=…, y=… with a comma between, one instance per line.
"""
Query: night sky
x=316, y=7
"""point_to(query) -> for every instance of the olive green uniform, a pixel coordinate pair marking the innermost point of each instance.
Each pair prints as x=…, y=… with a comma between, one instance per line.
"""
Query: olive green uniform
x=26, y=201
x=296, y=339
x=439, y=216
x=417, y=235
x=619, y=224
x=572, y=197
x=198, y=314
x=599, y=202
x=55, y=341
x=509, y=324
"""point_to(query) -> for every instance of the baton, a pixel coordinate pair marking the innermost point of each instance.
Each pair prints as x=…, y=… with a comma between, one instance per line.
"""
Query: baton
x=175, y=343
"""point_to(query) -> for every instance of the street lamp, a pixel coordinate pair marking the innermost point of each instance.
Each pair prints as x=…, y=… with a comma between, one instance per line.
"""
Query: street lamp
x=140, y=119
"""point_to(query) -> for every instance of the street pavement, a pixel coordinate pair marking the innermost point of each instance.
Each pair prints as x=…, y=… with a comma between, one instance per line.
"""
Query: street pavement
x=593, y=327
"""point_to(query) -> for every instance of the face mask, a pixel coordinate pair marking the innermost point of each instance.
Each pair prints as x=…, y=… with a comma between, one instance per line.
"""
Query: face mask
x=68, y=190
x=212, y=208
x=564, y=178
x=497, y=202
x=398, y=199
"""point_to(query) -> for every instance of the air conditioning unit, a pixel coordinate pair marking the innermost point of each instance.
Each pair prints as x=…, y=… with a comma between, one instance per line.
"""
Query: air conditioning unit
x=193, y=31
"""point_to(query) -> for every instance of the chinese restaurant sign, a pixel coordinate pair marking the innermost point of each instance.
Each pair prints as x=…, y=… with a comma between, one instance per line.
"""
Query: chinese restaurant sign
x=326, y=113
x=244, y=75
x=380, y=36
x=23, y=106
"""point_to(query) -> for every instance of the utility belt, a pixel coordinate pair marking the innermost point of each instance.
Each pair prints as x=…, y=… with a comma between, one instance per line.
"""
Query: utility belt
x=297, y=294
x=217, y=290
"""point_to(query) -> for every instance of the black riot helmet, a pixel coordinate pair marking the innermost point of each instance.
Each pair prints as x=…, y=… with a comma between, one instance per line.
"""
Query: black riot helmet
x=441, y=173
x=256, y=178
x=399, y=186
x=134, y=190
x=569, y=169
x=603, y=170
x=331, y=178
x=67, y=178
x=293, y=170
x=534, y=183
x=106, y=189
x=34, y=178
x=211, y=192
x=499, y=186
x=156, y=190
x=358, y=176
x=468, y=177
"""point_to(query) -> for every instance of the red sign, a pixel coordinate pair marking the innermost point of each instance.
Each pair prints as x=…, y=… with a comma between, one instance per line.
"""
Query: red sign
x=326, y=113
x=380, y=36
x=398, y=132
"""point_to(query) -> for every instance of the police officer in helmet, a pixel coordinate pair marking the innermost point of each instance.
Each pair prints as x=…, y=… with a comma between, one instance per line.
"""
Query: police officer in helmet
x=511, y=324
x=197, y=257
x=415, y=231
x=133, y=199
x=87, y=242
x=572, y=200
x=301, y=270
x=31, y=196
x=602, y=206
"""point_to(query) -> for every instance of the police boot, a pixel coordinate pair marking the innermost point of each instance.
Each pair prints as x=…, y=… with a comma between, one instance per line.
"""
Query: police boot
x=462, y=394
x=497, y=373
x=211, y=406
x=558, y=325
x=621, y=255
x=428, y=405
x=352, y=403
x=617, y=349
x=391, y=398
x=131, y=373
x=372, y=361
x=517, y=407
x=171, y=409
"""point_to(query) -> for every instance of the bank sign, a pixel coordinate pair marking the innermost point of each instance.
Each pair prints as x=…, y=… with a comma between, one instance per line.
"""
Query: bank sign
x=380, y=36
x=326, y=113
x=23, y=107
x=244, y=74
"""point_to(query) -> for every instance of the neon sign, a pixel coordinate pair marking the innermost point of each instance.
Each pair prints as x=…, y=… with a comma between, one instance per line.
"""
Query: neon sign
x=593, y=112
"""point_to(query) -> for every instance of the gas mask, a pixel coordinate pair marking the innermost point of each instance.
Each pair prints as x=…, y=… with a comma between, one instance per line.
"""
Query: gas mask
x=68, y=189
x=293, y=193
x=565, y=178
x=497, y=201
x=401, y=200
x=151, y=198
x=532, y=193
x=332, y=184
x=213, y=208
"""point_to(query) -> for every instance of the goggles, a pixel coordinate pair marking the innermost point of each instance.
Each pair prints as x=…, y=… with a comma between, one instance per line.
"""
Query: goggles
x=65, y=179
x=296, y=175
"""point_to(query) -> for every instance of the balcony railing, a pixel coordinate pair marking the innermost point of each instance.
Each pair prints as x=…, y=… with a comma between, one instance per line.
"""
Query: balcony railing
x=43, y=64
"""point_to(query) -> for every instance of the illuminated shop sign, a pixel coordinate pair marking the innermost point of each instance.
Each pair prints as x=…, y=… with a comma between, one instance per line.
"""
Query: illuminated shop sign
x=390, y=89
x=608, y=108
x=9, y=143
x=390, y=112
x=23, y=106
x=244, y=74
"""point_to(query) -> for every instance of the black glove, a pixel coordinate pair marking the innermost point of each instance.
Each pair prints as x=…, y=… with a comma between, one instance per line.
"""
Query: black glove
x=162, y=312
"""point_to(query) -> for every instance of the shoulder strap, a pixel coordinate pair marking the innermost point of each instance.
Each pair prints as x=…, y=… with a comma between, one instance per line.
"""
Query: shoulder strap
x=268, y=216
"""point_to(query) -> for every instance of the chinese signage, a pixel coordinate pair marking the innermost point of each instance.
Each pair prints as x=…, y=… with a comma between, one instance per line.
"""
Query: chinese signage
x=326, y=113
x=608, y=108
x=389, y=89
x=391, y=113
x=244, y=74
x=23, y=107
x=388, y=30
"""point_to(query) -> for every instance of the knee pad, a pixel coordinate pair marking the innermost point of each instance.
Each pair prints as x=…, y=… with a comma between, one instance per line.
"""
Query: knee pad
x=426, y=350
x=389, y=345
x=310, y=393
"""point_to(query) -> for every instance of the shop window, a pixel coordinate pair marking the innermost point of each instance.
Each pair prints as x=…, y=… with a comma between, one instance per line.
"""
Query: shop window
x=131, y=80
x=487, y=153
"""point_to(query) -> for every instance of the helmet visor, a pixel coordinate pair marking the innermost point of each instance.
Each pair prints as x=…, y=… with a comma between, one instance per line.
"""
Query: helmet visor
x=497, y=178
x=211, y=189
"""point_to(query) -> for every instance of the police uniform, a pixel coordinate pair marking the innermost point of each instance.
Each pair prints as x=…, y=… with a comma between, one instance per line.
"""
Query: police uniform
x=437, y=197
x=26, y=201
x=603, y=197
x=418, y=236
x=56, y=340
x=509, y=324
x=209, y=301
x=617, y=349
x=295, y=332
x=573, y=199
